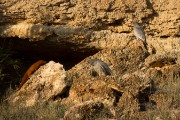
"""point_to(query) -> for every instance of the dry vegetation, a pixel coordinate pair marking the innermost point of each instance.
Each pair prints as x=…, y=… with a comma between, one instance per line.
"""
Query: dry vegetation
x=45, y=111
x=166, y=106
x=102, y=29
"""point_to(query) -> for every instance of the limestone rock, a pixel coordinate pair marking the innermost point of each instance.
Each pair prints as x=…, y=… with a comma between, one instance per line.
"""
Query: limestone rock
x=162, y=59
x=120, y=60
x=166, y=18
x=86, y=110
x=47, y=82
x=90, y=25
x=168, y=77
x=126, y=82
x=104, y=30
x=27, y=30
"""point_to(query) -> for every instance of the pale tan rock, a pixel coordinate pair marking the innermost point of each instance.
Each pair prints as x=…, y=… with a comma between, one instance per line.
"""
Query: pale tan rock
x=27, y=30
x=86, y=110
x=166, y=20
x=47, y=82
x=104, y=29
x=162, y=59
x=126, y=82
x=91, y=24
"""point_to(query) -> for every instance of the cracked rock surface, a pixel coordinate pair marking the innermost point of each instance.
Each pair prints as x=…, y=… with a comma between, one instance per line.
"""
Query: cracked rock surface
x=142, y=79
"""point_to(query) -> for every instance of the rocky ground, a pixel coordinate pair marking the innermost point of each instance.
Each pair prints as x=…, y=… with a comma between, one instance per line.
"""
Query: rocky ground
x=145, y=82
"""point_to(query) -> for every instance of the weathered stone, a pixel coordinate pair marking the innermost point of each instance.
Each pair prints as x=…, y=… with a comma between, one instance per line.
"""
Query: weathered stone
x=98, y=24
x=75, y=28
x=126, y=82
x=47, y=82
x=86, y=110
x=162, y=59
x=27, y=30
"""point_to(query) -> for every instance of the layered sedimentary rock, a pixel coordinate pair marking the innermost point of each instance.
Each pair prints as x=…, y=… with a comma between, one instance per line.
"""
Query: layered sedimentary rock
x=142, y=79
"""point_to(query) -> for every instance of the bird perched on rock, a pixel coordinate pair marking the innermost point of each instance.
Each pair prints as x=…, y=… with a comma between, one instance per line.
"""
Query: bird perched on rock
x=139, y=32
x=99, y=67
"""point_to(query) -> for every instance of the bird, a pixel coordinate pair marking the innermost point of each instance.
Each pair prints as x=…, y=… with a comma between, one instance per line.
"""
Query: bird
x=99, y=67
x=139, y=32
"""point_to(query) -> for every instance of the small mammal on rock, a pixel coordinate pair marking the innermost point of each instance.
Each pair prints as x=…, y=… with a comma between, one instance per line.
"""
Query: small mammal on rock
x=31, y=69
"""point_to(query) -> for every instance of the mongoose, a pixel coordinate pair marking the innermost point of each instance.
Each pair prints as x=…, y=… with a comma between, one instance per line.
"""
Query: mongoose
x=31, y=69
x=99, y=67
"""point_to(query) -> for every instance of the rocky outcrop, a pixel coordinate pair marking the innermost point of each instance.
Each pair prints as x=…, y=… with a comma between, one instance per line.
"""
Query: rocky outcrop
x=27, y=30
x=122, y=89
x=88, y=23
x=87, y=110
x=47, y=82
x=142, y=79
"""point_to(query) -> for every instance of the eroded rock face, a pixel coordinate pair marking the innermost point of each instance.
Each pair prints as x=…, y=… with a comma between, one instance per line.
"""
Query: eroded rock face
x=141, y=79
x=47, y=82
x=99, y=24
x=133, y=86
x=121, y=89
x=27, y=30
x=167, y=21
x=163, y=59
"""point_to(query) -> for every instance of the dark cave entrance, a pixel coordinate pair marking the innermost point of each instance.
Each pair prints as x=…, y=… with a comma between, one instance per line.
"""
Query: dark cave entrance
x=63, y=53
x=30, y=52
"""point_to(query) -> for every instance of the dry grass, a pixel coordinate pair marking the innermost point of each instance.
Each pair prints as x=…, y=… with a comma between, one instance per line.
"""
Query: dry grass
x=167, y=98
x=37, y=112
x=45, y=111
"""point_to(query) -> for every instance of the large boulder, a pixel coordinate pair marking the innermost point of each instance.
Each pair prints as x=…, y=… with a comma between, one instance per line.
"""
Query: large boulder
x=47, y=82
